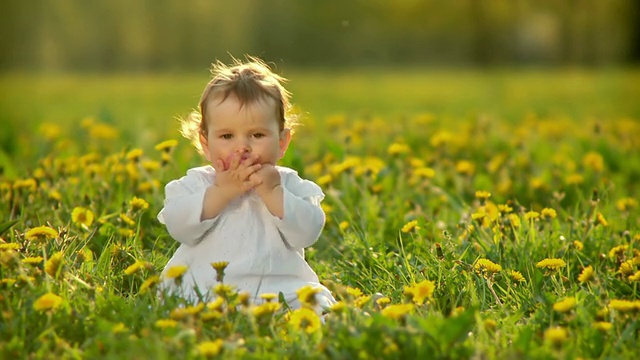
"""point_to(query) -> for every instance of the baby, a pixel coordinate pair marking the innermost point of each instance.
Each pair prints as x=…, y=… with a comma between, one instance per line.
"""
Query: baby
x=243, y=208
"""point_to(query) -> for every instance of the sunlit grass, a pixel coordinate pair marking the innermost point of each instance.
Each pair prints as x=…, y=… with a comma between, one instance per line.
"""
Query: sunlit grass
x=456, y=227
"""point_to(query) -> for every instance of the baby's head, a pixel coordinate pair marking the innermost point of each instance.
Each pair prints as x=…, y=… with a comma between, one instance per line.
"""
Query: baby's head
x=250, y=83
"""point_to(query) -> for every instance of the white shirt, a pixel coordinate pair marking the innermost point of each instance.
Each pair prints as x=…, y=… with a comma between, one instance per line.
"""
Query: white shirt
x=265, y=253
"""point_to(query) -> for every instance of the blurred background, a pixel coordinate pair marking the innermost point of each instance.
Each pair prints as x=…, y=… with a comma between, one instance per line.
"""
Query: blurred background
x=167, y=35
x=135, y=66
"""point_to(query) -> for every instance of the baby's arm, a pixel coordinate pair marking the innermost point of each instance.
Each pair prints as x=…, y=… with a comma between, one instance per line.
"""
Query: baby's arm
x=297, y=201
x=182, y=212
x=303, y=220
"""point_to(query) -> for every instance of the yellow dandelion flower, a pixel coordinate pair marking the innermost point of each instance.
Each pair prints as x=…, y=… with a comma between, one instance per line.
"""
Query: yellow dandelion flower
x=324, y=180
x=486, y=267
x=137, y=203
x=490, y=324
x=305, y=319
x=224, y=290
x=176, y=271
x=211, y=315
x=127, y=220
x=578, y=245
x=10, y=246
x=55, y=195
x=103, y=132
x=194, y=309
x=531, y=215
x=166, y=158
x=420, y=291
x=326, y=208
x=465, y=167
x=618, y=251
x=416, y=162
x=514, y=220
x=150, y=165
x=624, y=305
x=504, y=208
x=49, y=301
x=398, y=148
x=602, y=326
x=482, y=195
x=361, y=301
x=586, y=274
x=126, y=232
x=27, y=184
x=32, y=260
x=166, y=323
x=166, y=145
x=565, y=305
x=210, y=348
x=119, y=328
x=219, y=268
x=134, y=155
x=551, y=264
x=602, y=313
x=268, y=297
x=548, y=213
x=397, y=311
x=136, y=266
x=338, y=307
x=626, y=268
x=516, y=276
x=634, y=277
x=178, y=314
x=216, y=304
x=600, y=220
x=410, y=226
x=82, y=216
x=594, y=161
x=266, y=310
x=243, y=298
x=344, y=225
x=556, y=335
x=479, y=216
x=574, y=179
x=307, y=295
x=53, y=266
x=355, y=292
x=424, y=172
x=41, y=233
x=383, y=301
x=627, y=204
x=149, y=283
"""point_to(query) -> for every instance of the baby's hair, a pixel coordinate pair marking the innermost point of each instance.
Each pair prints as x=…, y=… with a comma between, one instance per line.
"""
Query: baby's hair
x=250, y=82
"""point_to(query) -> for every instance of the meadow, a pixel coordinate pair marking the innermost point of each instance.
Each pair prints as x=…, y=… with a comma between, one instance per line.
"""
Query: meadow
x=470, y=214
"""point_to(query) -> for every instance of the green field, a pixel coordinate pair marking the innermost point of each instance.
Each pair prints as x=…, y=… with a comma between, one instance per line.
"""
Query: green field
x=496, y=211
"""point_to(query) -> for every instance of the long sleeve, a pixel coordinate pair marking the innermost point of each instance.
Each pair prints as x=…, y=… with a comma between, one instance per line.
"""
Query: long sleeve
x=183, y=207
x=303, y=218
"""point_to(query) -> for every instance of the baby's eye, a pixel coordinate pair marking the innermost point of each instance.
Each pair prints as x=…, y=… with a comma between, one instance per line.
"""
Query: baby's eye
x=226, y=136
x=258, y=135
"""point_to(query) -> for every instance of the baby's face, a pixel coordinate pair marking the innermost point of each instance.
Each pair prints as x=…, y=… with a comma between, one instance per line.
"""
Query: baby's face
x=250, y=130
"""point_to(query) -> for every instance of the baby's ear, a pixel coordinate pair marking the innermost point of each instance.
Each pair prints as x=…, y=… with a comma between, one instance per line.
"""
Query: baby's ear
x=204, y=144
x=285, y=138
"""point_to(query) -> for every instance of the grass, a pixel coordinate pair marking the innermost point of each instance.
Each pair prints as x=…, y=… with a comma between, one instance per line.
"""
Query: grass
x=446, y=190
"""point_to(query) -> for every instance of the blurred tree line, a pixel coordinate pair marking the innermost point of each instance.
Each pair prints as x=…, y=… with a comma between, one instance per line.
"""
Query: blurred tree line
x=104, y=35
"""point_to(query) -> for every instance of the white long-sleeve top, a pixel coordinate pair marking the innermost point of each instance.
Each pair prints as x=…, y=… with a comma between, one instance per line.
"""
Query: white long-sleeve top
x=265, y=253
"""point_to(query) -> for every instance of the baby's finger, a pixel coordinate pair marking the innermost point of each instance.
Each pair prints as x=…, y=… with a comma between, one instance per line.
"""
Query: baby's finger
x=251, y=170
x=254, y=181
x=234, y=161
x=219, y=166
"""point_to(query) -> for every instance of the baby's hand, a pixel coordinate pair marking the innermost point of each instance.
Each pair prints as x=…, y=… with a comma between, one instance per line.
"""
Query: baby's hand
x=235, y=176
x=268, y=178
